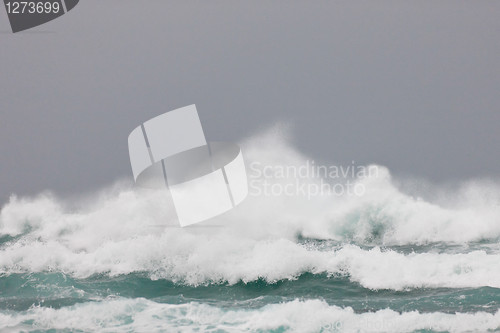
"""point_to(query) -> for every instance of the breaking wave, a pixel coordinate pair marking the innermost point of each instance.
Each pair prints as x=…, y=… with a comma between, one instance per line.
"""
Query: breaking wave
x=121, y=230
x=141, y=315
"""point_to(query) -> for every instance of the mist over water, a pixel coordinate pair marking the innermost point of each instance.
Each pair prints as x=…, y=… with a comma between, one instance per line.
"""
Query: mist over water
x=390, y=259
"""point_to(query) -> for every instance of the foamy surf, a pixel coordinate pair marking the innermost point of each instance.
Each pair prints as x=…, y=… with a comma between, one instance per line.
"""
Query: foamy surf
x=382, y=240
x=141, y=315
x=198, y=262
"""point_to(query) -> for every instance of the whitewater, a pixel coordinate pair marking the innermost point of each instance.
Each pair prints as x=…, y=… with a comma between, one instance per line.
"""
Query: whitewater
x=394, y=259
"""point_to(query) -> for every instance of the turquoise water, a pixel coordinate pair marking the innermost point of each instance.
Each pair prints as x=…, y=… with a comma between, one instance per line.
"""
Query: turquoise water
x=20, y=292
x=383, y=262
x=24, y=295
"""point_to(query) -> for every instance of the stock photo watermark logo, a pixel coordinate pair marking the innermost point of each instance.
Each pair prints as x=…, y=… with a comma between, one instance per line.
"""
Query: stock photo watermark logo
x=204, y=179
x=25, y=15
x=309, y=179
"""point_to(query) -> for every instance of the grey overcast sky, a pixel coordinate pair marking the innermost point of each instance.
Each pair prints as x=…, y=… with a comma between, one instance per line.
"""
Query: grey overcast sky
x=413, y=85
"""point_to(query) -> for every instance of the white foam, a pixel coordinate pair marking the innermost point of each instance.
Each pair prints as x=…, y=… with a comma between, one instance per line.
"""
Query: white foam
x=141, y=315
x=122, y=230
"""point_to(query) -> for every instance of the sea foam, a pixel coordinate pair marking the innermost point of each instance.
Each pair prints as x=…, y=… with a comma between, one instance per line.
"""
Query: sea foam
x=121, y=229
x=141, y=315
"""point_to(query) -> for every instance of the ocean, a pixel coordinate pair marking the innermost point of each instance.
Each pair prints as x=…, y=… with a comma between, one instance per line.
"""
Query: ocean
x=393, y=259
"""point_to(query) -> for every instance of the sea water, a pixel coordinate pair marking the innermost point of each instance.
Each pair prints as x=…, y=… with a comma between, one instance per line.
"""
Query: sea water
x=384, y=261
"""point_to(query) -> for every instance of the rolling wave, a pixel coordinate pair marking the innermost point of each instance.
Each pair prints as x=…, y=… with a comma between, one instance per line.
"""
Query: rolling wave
x=122, y=230
x=384, y=260
x=126, y=315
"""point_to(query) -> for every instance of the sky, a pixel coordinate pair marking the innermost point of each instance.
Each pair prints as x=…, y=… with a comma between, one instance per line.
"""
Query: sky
x=412, y=85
